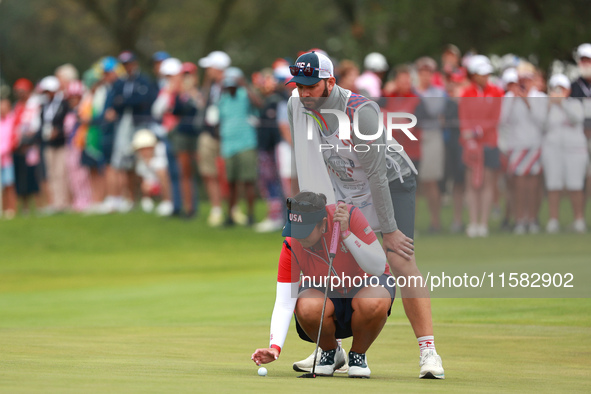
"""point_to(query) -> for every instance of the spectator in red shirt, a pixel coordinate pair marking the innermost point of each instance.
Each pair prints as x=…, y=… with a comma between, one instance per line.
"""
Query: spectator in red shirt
x=479, y=111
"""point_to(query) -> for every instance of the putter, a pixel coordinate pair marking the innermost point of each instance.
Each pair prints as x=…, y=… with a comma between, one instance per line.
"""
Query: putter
x=334, y=241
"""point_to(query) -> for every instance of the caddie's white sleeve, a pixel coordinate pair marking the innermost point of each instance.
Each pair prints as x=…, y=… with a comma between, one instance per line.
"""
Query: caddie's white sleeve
x=282, y=312
x=371, y=258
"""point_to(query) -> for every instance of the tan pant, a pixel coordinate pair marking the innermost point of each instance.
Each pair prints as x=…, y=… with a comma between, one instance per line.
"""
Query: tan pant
x=57, y=177
x=208, y=150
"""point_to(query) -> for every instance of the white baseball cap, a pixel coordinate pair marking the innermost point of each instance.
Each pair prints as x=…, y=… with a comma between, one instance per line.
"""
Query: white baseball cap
x=584, y=50
x=559, y=80
x=480, y=65
x=510, y=76
x=49, y=84
x=144, y=138
x=216, y=59
x=171, y=66
x=375, y=62
x=282, y=72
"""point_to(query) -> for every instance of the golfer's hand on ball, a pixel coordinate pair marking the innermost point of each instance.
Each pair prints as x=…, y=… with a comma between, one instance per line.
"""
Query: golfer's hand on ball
x=398, y=243
x=265, y=355
x=341, y=215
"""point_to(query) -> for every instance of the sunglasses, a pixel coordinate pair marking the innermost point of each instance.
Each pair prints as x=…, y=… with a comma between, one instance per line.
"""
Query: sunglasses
x=307, y=71
x=292, y=202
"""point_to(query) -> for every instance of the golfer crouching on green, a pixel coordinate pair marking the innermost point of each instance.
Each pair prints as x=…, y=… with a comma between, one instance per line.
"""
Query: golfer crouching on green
x=360, y=288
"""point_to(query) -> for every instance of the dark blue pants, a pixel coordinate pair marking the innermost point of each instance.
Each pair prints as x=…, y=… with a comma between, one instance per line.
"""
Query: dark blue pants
x=173, y=174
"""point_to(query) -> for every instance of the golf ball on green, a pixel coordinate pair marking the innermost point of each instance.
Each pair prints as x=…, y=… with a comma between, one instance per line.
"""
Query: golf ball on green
x=262, y=371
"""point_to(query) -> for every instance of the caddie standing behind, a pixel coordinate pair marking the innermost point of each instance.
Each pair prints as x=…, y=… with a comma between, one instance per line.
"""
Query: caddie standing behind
x=364, y=170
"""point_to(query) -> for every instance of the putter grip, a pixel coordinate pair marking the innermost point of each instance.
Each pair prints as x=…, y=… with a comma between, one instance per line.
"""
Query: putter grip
x=334, y=241
x=336, y=233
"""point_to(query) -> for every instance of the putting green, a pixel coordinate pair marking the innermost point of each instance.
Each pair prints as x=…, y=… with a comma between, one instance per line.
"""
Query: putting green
x=139, y=304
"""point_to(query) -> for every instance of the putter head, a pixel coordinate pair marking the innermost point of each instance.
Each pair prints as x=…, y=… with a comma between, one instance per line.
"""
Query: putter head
x=308, y=376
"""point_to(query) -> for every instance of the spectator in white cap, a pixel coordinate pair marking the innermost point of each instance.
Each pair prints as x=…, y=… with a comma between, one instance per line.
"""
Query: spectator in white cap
x=176, y=107
x=506, y=134
x=208, y=143
x=53, y=112
x=370, y=82
x=581, y=88
x=478, y=112
x=170, y=69
x=162, y=111
x=151, y=167
x=525, y=152
x=564, y=152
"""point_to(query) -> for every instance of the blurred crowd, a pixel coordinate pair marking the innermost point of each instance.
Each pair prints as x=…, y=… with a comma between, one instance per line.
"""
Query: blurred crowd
x=495, y=137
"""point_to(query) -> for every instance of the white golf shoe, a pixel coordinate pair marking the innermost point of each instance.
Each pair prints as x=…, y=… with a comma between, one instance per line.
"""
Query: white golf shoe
x=239, y=217
x=358, y=366
x=553, y=226
x=269, y=225
x=165, y=208
x=431, y=367
x=305, y=365
x=579, y=226
x=147, y=204
x=473, y=230
x=109, y=205
x=216, y=217
x=124, y=205
x=330, y=361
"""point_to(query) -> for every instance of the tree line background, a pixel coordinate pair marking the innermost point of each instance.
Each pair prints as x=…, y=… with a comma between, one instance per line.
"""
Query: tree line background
x=36, y=36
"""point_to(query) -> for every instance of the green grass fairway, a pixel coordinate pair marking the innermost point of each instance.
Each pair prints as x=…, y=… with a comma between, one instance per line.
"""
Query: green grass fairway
x=121, y=304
